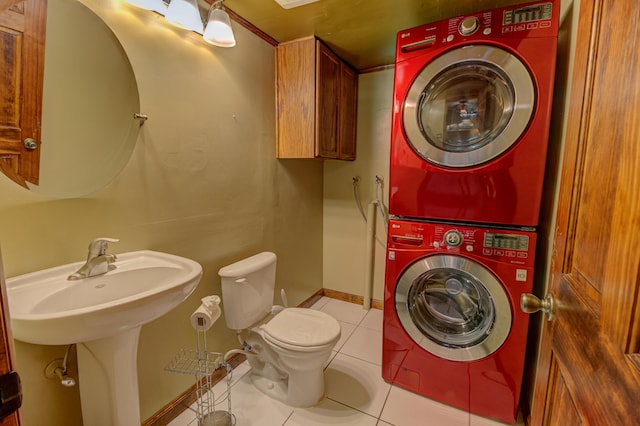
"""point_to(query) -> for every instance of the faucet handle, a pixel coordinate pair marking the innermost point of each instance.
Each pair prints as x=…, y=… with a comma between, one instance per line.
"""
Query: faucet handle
x=98, y=247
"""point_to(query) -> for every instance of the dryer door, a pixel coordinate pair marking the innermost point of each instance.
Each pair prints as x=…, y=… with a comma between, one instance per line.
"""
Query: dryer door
x=468, y=106
x=453, y=307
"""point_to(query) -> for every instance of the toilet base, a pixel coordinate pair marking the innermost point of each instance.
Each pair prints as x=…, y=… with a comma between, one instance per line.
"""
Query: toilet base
x=308, y=392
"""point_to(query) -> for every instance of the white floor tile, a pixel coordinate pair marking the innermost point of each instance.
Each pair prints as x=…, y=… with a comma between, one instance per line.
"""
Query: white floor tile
x=186, y=418
x=253, y=408
x=344, y=311
x=239, y=372
x=365, y=344
x=346, y=330
x=333, y=354
x=404, y=408
x=373, y=319
x=383, y=423
x=329, y=413
x=356, y=383
x=320, y=302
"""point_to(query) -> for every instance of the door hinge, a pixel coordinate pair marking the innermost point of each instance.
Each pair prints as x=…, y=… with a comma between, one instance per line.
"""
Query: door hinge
x=10, y=393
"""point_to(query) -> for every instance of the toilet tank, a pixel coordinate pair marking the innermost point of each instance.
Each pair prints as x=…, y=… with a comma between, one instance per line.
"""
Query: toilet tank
x=247, y=290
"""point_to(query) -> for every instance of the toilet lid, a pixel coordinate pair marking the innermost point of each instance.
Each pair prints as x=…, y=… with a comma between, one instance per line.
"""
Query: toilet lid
x=302, y=327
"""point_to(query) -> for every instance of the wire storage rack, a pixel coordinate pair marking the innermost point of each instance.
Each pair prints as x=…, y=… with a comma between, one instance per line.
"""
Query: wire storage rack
x=202, y=364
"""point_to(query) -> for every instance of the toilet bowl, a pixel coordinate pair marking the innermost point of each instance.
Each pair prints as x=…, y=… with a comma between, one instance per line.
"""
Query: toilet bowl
x=287, y=351
x=300, y=343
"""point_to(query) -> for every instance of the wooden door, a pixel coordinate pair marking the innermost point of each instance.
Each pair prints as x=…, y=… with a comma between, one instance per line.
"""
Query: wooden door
x=6, y=344
x=589, y=365
x=22, y=35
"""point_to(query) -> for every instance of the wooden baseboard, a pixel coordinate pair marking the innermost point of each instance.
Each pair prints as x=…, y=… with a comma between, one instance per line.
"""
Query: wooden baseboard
x=188, y=397
x=351, y=298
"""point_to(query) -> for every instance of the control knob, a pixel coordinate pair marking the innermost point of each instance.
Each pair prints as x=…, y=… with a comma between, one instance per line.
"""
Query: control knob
x=468, y=26
x=453, y=238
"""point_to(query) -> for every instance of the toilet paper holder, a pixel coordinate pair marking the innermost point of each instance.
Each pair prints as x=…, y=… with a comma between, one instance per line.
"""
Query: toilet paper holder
x=202, y=364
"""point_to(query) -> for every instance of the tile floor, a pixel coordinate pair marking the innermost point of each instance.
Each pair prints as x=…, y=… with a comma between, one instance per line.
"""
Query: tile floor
x=356, y=394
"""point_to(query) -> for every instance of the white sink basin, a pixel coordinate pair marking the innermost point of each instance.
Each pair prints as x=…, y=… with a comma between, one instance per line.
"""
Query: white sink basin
x=48, y=309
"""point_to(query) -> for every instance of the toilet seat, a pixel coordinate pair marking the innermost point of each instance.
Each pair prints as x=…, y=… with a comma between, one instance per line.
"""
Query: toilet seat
x=301, y=329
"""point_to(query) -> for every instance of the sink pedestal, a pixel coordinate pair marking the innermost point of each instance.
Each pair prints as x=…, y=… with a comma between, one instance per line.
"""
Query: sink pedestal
x=108, y=374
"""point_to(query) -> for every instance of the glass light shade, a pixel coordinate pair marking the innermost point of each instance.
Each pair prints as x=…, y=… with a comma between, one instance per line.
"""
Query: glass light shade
x=218, y=30
x=157, y=5
x=184, y=14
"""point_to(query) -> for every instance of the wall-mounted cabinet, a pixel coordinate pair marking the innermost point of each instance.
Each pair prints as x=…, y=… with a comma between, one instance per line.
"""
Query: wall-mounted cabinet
x=316, y=99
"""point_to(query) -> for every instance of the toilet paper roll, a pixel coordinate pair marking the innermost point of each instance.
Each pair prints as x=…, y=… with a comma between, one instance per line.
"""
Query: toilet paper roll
x=206, y=314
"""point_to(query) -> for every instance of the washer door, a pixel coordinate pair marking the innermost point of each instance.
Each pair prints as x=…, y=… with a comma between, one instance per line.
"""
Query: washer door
x=468, y=106
x=453, y=307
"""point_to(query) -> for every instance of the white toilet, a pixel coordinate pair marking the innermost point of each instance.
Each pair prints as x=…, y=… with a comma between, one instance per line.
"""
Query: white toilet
x=287, y=348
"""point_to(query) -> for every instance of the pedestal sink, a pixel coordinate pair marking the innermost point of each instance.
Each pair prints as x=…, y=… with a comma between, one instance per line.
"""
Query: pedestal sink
x=103, y=315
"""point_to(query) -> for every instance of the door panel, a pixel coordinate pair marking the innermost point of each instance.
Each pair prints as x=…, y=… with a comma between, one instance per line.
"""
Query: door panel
x=22, y=35
x=565, y=411
x=587, y=372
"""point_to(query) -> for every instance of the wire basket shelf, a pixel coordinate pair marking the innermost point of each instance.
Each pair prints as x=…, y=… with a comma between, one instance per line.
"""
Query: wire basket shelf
x=202, y=364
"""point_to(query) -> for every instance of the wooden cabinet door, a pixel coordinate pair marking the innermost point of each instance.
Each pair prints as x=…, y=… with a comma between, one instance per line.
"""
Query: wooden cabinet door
x=348, y=113
x=22, y=36
x=589, y=365
x=328, y=102
x=296, y=99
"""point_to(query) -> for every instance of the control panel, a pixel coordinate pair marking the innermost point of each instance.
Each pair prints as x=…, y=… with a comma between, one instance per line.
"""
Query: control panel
x=530, y=13
x=513, y=21
x=514, y=246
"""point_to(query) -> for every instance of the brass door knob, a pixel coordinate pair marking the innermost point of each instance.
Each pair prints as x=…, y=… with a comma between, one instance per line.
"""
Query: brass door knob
x=529, y=304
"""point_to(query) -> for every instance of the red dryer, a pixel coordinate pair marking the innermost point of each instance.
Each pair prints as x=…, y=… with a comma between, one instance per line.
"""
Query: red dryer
x=453, y=330
x=471, y=113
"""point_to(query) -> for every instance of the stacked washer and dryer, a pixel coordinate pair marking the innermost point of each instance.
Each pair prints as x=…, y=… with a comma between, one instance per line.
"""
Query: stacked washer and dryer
x=471, y=113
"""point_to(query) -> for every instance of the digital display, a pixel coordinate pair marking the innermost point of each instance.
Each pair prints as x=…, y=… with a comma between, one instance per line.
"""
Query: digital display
x=537, y=12
x=506, y=241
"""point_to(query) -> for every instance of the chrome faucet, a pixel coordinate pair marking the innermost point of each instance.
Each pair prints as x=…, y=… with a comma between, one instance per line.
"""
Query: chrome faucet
x=98, y=261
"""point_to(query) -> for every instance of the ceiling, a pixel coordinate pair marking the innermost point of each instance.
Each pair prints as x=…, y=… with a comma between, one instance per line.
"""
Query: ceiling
x=362, y=32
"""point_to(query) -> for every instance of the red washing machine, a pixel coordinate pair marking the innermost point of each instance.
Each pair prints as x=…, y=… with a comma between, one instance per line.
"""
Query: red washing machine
x=471, y=113
x=453, y=329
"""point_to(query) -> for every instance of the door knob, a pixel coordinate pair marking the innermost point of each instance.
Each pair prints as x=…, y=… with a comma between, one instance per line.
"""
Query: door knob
x=30, y=144
x=530, y=304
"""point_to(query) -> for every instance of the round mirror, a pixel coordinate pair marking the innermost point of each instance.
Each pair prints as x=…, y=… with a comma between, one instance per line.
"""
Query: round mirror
x=90, y=98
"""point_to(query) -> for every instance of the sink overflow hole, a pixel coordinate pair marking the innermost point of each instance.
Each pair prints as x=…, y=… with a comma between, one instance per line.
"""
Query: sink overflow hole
x=100, y=286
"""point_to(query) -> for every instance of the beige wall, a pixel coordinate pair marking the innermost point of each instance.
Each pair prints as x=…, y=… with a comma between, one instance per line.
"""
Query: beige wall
x=202, y=183
x=345, y=231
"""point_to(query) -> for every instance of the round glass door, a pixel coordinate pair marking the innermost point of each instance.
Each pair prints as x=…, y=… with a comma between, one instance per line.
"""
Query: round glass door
x=468, y=106
x=453, y=307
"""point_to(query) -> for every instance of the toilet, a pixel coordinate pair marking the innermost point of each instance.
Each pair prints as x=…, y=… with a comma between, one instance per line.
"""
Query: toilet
x=287, y=348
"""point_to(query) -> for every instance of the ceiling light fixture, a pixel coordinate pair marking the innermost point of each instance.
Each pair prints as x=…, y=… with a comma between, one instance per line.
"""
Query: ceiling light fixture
x=218, y=30
x=186, y=14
